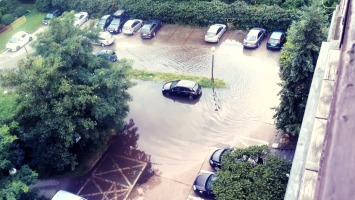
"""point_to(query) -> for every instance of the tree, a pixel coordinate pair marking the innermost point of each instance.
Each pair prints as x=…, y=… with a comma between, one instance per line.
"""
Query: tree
x=12, y=186
x=248, y=180
x=297, y=63
x=68, y=97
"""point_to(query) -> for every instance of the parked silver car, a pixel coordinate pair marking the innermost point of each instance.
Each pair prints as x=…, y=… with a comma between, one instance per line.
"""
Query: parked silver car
x=80, y=18
x=132, y=26
x=215, y=32
x=254, y=38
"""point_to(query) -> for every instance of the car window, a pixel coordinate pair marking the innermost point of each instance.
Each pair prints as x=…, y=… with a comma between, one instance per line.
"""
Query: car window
x=219, y=30
x=134, y=24
x=259, y=34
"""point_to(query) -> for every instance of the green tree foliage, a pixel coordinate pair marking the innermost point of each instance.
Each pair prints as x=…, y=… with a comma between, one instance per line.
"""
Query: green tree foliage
x=204, y=13
x=12, y=187
x=247, y=180
x=20, y=11
x=8, y=105
x=7, y=19
x=43, y=5
x=297, y=63
x=65, y=93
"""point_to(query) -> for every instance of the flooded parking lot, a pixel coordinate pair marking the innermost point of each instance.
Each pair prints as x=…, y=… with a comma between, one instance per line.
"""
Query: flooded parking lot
x=179, y=135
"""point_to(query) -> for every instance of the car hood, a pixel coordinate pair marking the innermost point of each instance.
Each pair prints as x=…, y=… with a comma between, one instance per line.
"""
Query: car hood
x=167, y=85
x=201, y=180
x=112, y=26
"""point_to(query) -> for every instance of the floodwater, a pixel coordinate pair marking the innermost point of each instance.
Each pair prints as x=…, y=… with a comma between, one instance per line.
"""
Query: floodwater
x=179, y=134
x=176, y=135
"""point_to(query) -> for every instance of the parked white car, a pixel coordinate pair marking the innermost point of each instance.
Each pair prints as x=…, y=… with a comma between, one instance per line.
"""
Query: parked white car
x=105, y=39
x=215, y=32
x=64, y=195
x=132, y=26
x=19, y=40
x=80, y=18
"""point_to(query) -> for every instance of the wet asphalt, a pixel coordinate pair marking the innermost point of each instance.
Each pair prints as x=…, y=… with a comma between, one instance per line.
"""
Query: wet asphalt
x=175, y=136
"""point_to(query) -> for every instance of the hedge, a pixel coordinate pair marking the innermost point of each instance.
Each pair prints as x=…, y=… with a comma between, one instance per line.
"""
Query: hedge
x=240, y=14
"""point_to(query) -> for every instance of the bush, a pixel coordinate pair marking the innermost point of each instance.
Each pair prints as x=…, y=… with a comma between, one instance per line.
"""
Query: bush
x=203, y=13
x=43, y=5
x=7, y=19
x=20, y=11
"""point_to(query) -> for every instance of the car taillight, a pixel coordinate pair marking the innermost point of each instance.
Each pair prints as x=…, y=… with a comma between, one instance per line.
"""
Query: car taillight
x=279, y=41
x=268, y=40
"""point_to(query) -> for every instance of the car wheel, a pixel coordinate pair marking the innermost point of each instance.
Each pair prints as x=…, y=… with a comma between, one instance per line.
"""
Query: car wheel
x=120, y=30
x=217, y=40
x=166, y=93
x=258, y=44
x=103, y=45
x=17, y=48
x=153, y=34
x=30, y=39
x=191, y=97
x=217, y=168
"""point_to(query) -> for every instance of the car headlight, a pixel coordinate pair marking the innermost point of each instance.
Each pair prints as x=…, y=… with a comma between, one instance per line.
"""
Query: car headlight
x=211, y=161
x=194, y=187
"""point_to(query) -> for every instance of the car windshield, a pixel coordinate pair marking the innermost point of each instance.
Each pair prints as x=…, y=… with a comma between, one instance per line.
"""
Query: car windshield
x=145, y=29
x=273, y=41
x=251, y=37
x=195, y=88
x=49, y=15
x=209, y=182
x=13, y=40
x=77, y=18
x=115, y=22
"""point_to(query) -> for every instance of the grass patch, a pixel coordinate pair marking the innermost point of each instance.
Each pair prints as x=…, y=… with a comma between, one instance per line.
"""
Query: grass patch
x=163, y=77
x=33, y=21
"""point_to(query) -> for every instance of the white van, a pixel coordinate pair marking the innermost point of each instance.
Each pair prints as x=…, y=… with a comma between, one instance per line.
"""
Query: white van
x=64, y=195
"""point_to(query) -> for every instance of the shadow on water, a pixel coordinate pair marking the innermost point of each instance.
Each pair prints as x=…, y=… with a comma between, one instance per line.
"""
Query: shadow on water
x=183, y=100
x=125, y=144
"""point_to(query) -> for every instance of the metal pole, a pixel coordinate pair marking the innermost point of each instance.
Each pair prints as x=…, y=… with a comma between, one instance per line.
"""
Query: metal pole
x=212, y=50
x=212, y=67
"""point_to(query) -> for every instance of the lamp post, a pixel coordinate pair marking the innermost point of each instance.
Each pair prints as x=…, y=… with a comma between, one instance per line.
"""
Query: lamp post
x=213, y=49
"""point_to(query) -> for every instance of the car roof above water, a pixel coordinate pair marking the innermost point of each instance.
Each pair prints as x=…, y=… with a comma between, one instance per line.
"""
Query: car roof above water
x=186, y=83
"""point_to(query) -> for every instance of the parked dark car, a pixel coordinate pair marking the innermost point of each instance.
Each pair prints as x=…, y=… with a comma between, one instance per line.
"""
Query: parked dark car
x=50, y=15
x=276, y=40
x=184, y=88
x=108, y=54
x=150, y=28
x=104, y=22
x=254, y=38
x=120, y=17
x=216, y=157
x=203, y=185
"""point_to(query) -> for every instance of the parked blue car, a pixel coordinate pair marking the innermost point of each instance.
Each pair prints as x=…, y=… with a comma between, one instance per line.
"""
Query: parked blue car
x=108, y=54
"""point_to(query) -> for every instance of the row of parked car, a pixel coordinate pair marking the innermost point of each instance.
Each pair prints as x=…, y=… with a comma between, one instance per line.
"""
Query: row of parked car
x=253, y=39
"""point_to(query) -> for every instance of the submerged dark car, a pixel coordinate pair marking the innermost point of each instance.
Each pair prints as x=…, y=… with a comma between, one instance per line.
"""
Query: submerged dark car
x=216, y=158
x=184, y=88
x=203, y=185
x=276, y=40
x=150, y=28
x=108, y=54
